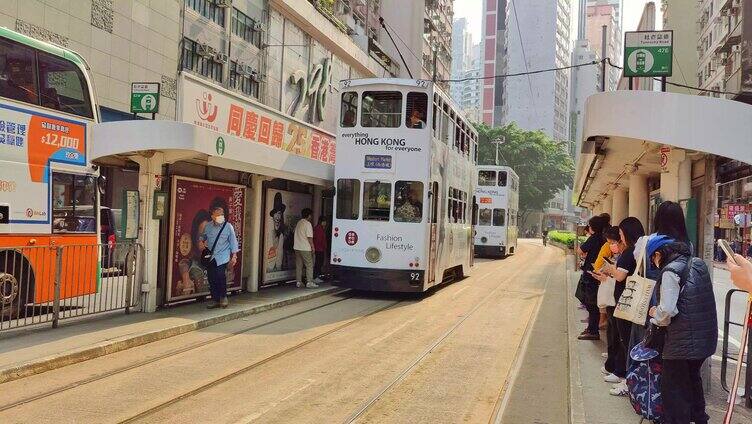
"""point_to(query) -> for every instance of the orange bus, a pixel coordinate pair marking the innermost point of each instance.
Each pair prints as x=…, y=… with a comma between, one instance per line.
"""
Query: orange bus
x=49, y=190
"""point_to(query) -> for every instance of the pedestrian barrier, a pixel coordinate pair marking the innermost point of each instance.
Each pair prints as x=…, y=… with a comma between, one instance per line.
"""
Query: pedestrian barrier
x=725, y=355
x=46, y=284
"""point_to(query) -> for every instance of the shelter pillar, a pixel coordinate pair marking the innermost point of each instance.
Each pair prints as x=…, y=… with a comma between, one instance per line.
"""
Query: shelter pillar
x=670, y=180
x=607, y=204
x=638, y=198
x=620, y=208
x=256, y=232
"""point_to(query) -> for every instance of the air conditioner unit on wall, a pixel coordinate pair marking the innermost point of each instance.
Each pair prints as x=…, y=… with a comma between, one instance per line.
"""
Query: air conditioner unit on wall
x=258, y=26
x=223, y=3
x=205, y=50
x=220, y=57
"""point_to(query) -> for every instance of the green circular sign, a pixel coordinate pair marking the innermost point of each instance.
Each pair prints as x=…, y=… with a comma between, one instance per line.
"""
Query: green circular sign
x=220, y=146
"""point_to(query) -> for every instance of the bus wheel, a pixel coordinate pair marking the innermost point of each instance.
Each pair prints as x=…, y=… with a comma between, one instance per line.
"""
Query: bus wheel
x=14, y=291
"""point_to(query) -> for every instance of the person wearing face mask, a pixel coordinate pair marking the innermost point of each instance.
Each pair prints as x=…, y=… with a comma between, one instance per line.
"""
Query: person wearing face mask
x=221, y=235
x=686, y=312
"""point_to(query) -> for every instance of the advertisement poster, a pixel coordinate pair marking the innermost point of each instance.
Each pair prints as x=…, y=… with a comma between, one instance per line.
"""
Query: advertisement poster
x=192, y=201
x=281, y=214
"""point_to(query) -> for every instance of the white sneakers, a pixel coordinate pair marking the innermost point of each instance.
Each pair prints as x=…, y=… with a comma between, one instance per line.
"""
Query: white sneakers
x=318, y=280
x=619, y=389
x=298, y=284
x=312, y=285
x=610, y=378
x=603, y=370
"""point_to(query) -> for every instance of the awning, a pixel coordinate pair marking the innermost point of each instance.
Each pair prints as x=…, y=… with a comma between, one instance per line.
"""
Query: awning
x=625, y=130
x=127, y=138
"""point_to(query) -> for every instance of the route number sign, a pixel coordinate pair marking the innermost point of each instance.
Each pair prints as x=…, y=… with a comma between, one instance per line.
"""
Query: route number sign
x=648, y=53
x=145, y=97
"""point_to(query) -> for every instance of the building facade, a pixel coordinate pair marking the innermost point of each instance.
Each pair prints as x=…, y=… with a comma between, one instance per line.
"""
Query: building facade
x=466, y=87
x=606, y=13
x=683, y=21
x=493, y=61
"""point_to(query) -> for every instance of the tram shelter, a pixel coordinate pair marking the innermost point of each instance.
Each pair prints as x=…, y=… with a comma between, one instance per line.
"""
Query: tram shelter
x=640, y=148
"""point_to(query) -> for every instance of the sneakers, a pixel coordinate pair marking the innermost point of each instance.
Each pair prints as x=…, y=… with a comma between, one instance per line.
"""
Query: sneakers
x=223, y=302
x=312, y=285
x=604, y=371
x=620, y=389
x=610, y=378
x=212, y=305
x=588, y=336
x=318, y=280
x=604, y=355
x=298, y=284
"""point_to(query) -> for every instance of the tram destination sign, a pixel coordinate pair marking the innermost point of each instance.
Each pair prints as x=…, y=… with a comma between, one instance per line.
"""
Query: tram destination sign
x=648, y=53
x=378, y=162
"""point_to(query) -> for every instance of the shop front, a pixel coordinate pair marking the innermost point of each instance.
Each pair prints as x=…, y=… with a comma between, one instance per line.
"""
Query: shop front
x=262, y=167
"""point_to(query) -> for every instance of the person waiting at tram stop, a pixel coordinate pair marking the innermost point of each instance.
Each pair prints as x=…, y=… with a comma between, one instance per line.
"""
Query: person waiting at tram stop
x=320, y=243
x=587, y=287
x=304, y=248
x=221, y=235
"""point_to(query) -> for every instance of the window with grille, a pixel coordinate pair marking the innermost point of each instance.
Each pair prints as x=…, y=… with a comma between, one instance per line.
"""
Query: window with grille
x=202, y=65
x=245, y=27
x=243, y=82
x=208, y=9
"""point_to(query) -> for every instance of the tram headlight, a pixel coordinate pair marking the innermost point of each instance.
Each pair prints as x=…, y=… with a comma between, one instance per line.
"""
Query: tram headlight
x=484, y=240
x=373, y=255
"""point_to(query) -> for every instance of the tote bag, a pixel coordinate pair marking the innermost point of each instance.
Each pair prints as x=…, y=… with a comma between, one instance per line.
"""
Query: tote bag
x=634, y=302
x=606, y=293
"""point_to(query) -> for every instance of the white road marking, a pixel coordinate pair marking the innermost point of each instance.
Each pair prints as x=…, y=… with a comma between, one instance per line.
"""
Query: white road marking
x=257, y=415
x=459, y=291
x=378, y=340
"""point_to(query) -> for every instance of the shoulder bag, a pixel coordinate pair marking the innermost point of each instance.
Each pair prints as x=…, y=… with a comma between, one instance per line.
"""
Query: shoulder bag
x=634, y=302
x=206, y=254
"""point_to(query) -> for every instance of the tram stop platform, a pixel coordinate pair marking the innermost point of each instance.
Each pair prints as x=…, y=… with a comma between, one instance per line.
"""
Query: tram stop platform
x=590, y=401
x=34, y=350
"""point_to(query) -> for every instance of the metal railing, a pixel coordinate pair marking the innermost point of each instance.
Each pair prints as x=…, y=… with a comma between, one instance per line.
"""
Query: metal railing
x=46, y=284
x=726, y=355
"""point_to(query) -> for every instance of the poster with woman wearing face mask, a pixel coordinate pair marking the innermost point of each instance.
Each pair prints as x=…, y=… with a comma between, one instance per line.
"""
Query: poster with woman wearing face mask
x=191, y=201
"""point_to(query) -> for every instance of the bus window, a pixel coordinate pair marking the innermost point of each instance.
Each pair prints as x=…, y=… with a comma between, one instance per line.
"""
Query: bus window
x=377, y=201
x=349, y=109
x=381, y=109
x=502, y=178
x=408, y=201
x=63, y=86
x=484, y=217
x=18, y=80
x=417, y=106
x=74, y=200
x=498, y=217
x=486, y=178
x=348, y=198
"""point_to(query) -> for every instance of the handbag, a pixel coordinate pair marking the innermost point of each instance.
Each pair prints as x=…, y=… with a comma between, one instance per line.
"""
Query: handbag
x=206, y=254
x=606, y=293
x=634, y=301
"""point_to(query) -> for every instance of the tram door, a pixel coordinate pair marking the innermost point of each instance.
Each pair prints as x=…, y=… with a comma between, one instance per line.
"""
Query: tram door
x=433, y=228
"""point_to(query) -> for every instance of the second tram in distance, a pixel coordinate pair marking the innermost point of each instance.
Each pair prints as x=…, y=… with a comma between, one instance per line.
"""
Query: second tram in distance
x=405, y=178
x=497, y=194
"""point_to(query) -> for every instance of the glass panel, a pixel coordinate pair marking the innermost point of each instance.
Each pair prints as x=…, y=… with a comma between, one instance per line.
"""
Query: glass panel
x=486, y=178
x=74, y=199
x=408, y=201
x=63, y=86
x=498, y=217
x=381, y=109
x=484, y=217
x=502, y=178
x=349, y=109
x=377, y=201
x=417, y=106
x=18, y=80
x=348, y=198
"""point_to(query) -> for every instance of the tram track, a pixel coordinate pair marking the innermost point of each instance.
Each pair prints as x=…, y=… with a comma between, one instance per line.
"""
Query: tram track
x=171, y=353
x=252, y=366
x=412, y=365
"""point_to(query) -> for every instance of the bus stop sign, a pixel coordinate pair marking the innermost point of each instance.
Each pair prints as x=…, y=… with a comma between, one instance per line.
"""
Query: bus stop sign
x=145, y=97
x=648, y=53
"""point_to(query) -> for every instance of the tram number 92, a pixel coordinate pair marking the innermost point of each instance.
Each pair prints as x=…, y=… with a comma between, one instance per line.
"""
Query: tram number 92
x=416, y=276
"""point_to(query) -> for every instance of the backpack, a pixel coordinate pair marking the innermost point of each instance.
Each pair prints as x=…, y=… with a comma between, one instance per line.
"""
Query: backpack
x=644, y=382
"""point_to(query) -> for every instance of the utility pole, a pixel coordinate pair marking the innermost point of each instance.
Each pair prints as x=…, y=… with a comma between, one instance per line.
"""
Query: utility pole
x=604, y=57
x=497, y=142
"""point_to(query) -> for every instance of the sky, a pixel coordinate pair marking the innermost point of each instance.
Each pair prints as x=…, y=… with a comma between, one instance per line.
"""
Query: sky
x=472, y=9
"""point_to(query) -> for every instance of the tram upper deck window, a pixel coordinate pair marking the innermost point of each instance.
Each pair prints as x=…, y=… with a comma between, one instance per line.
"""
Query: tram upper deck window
x=498, y=217
x=408, y=201
x=348, y=198
x=486, y=178
x=349, y=109
x=63, y=86
x=417, y=107
x=485, y=217
x=381, y=109
x=502, y=178
x=377, y=200
x=18, y=78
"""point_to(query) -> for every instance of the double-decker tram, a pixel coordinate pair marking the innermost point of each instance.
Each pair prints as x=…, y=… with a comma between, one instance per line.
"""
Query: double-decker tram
x=405, y=178
x=498, y=197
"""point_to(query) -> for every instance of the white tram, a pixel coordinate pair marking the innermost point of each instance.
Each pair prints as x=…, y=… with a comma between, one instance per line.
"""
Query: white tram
x=498, y=198
x=405, y=178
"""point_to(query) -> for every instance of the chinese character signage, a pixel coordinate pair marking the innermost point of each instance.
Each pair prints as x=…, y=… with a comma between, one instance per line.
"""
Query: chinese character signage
x=648, y=53
x=252, y=122
x=378, y=162
x=192, y=201
x=733, y=210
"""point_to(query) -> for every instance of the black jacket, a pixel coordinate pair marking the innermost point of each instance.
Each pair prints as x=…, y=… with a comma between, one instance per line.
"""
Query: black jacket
x=693, y=332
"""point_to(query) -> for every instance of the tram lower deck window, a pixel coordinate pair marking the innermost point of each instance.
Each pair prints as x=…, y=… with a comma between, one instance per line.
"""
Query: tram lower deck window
x=377, y=200
x=485, y=217
x=408, y=202
x=498, y=217
x=348, y=198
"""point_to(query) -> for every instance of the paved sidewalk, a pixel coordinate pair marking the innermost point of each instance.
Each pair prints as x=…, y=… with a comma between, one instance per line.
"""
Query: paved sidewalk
x=35, y=350
x=590, y=401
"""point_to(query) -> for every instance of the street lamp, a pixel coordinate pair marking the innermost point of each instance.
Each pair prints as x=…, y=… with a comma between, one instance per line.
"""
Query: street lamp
x=497, y=142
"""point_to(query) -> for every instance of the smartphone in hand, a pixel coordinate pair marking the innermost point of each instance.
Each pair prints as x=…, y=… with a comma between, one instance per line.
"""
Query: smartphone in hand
x=726, y=247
